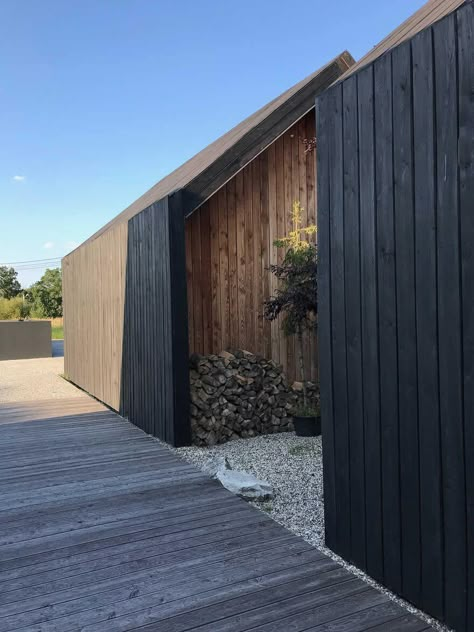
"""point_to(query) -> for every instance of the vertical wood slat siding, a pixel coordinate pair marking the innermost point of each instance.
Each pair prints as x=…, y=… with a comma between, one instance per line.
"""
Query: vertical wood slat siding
x=230, y=245
x=387, y=315
x=449, y=319
x=369, y=314
x=155, y=384
x=465, y=58
x=407, y=156
x=424, y=162
x=93, y=299
x=338, y=327
x=355, y=410
x=402, y=100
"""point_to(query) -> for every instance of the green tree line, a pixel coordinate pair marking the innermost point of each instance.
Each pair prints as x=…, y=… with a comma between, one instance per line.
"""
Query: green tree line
x=43, y=299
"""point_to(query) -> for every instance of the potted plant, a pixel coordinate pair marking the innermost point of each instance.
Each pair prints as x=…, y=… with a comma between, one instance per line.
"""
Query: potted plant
x=296, y=300
x=307, y=421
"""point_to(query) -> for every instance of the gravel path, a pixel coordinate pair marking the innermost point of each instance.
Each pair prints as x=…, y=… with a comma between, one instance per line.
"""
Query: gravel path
x=28, y=380
x=293, y=466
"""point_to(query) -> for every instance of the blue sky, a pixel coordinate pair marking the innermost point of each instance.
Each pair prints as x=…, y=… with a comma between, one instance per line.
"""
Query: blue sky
x=99, y=99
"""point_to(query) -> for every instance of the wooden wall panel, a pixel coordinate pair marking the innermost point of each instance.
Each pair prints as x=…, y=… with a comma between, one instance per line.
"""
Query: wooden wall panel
x=93, y=297
x=230, y=242
x=155, y=373
x=403, y=359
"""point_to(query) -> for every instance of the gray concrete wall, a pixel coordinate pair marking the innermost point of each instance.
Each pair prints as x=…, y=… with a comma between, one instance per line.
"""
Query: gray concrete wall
x=25, y=339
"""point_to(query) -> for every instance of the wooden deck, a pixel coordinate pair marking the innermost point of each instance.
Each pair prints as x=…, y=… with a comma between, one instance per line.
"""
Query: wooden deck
x=103, y=529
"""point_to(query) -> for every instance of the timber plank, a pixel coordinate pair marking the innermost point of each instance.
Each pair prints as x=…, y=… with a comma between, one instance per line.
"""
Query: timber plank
x=353, y=596
x=431, y=513
x=256, y=287
x=406, y=320
x=265, y=607
x=217, y=572
x=233, y=266
x=387, y=316
x=215, y=295
x=222, y=212
x=465, y=34
x=450, y=322
x=324, y=134
x=249, y=331
x=369, y=315
x=190, y=600
x=280, y=159
x=338, y=330
x=63, y=521
x=196, y=296
x=272, y=254
x=206, y=280
x=132, y=537
x=264, y=327
x=353, y=321
x=241, y=260
x=189, y=235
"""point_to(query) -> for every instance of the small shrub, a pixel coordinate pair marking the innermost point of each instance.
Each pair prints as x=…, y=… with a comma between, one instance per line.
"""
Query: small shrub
x=14, y=308
x=306, y=411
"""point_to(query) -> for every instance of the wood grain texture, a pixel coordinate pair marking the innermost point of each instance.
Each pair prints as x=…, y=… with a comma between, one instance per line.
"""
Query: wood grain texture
x=406, y=317
x=353, y=320
x=465, y=36
x=427, y=15
x=137, y=539
x=245, y=218
x=227, y=260
x=431, y=513
x=93, y=303
x=155, y=368
x=450, y=319
x=369, y=315
x=406, y=154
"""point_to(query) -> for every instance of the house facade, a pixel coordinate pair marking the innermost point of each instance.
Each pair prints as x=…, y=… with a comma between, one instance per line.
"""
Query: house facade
x=185, y=268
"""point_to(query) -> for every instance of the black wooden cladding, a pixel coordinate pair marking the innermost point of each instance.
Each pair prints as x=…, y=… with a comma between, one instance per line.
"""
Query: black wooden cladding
x=396, y=313
x=155, y=376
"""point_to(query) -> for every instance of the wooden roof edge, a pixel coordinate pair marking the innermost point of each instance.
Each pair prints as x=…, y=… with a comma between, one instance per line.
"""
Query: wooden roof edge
x=409, y=28
x=281, y=119
x=197, y=186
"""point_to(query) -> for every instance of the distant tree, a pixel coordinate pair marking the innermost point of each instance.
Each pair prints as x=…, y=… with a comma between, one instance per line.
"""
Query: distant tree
x=9, y=284
x=47, y=294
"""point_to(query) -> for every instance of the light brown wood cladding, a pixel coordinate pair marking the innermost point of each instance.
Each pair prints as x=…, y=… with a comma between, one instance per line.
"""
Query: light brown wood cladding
x=93, y=297
x=229, y=247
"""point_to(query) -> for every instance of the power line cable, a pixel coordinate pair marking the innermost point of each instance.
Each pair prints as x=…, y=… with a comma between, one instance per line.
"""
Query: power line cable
x=32, y=261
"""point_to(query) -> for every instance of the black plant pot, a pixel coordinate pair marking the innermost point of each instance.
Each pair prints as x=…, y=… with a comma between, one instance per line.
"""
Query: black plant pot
x=307, y=426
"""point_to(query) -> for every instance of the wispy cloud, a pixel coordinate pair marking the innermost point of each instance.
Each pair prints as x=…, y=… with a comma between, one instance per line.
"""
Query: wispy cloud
x=19, y=178
x=48, y=245
x=70, y=245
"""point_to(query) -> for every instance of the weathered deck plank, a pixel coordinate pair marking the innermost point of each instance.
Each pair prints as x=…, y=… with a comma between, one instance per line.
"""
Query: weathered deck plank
x=104, y=529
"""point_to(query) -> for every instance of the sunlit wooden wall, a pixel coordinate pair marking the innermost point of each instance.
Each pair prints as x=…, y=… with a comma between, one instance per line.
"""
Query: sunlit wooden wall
x=93, y=297
x=229, y=246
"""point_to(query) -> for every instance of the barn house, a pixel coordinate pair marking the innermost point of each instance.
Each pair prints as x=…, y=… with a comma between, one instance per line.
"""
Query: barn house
x=185, y=268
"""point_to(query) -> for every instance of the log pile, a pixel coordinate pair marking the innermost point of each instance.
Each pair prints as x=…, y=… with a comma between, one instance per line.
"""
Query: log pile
x=240, y=394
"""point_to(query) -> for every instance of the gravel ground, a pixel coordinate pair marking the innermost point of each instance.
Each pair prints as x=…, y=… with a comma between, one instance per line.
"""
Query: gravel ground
x=293, y=466
x=27, y=380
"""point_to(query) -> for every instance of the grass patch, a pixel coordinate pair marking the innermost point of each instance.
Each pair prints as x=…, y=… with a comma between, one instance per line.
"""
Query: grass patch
x=301, y=450
x=57, y=332
x=267, y=506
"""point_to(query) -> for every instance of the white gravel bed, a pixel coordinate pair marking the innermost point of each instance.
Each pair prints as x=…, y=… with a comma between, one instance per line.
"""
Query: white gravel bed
x=293, y=466
x=40, y=378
